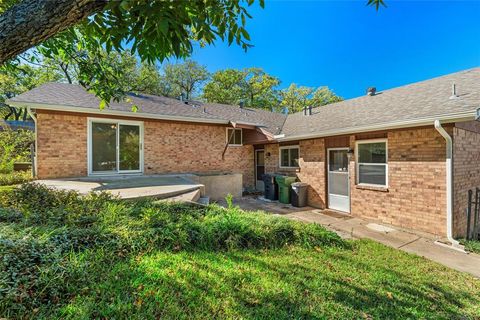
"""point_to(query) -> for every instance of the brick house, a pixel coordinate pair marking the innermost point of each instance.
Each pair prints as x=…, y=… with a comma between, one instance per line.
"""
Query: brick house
x=405, y=156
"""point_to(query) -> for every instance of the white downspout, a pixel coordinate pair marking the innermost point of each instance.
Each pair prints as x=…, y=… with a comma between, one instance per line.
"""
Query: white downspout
x=34, y=118
x=449, y=181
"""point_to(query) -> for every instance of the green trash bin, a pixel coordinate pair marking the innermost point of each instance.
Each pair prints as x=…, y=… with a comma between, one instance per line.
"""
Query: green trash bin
x=284, y=184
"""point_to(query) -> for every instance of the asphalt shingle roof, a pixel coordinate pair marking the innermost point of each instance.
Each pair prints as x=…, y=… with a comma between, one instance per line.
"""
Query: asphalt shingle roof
x=415, y=101
x=71, y=95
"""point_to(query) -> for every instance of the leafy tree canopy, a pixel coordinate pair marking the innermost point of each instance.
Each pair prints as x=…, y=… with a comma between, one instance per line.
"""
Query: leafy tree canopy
x=21, y=79
x=252, y=86
x=296, y=98
x=152, y=30
x=186, y=78
x=123, y=70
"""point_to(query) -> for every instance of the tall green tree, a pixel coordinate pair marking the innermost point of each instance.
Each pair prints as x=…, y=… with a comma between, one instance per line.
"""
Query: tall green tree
x=19, y=80
x=225, y=86
x=296, y=98
x=260, y=88
x=153, y=29
x=322, y=96
x=252, y=86
x=187, y=77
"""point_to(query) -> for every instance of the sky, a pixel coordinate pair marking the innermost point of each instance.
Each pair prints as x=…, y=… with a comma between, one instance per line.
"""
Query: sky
x=348, y=46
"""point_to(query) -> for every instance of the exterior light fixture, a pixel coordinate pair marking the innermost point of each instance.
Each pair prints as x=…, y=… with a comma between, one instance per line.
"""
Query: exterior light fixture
x=350, y=153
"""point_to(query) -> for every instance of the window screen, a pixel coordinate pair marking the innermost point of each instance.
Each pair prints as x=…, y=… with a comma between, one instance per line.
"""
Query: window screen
x=289, y=157
x=372, y=163
x=236, y=139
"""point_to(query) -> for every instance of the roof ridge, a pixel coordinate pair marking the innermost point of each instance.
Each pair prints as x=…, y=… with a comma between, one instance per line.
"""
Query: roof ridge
x=137, y=94
x=399, y=87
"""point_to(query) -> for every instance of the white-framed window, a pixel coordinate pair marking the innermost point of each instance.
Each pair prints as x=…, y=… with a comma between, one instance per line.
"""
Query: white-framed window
x=289, y=156
x=372, y=162
x=236, y=139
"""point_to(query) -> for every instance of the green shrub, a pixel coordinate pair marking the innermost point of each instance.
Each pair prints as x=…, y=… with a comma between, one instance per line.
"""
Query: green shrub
x=10, y=215
x=15, y=177
x=19, y=272
x=471, y=245
x=47, y=235
x=14, y=147
x=44, y=205
x=236, y=229
x=229, y=201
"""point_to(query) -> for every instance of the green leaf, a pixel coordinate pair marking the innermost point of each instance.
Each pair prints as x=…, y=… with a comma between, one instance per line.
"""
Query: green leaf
x=376, y=3
x=102, y=104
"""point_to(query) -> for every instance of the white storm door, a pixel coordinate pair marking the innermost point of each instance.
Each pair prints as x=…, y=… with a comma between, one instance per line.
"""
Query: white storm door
x=338, y=180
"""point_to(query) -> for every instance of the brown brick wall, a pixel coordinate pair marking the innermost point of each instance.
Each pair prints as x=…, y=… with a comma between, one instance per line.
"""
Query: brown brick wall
x=62, y=145
x=169, y=147
x=175, y=147
x=415, y=197
x=466, y=157
x=312, y=163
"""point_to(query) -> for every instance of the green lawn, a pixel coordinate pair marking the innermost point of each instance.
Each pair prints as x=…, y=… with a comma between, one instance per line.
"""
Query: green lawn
x=97, y=257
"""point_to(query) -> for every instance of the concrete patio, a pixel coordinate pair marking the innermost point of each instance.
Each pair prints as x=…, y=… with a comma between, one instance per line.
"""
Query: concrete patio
x=422, y=244
x=177, y=187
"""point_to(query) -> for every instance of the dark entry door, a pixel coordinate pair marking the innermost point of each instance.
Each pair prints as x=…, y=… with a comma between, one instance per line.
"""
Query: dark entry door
x=259, y=168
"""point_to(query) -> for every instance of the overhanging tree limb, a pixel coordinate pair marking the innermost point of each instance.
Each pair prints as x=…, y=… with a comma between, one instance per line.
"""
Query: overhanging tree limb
x=20, y=29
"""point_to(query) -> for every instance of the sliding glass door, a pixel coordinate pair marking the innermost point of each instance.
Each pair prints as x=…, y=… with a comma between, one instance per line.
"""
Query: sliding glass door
x=129, y=147
x=115, y=147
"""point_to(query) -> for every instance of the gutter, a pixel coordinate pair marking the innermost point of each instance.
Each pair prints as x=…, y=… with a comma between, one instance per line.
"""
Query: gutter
x=130, y=114
x=449, y=181
x=110, y=112
x=34, y=118
x=446, y=118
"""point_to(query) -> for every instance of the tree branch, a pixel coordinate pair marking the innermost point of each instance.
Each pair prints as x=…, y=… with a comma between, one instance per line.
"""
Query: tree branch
x=31, y=22
x=64, y=67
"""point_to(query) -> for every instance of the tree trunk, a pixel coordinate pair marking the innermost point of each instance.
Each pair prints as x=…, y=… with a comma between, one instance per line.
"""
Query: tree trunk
x=31, y=22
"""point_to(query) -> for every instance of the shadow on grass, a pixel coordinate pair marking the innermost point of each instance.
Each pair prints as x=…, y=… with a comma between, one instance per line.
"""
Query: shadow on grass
x=278, y=284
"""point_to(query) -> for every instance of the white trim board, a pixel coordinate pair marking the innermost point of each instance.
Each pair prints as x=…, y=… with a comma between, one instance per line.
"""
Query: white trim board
x=357, y=164
x=429, y=121
x=130, y=114
x=228, y=137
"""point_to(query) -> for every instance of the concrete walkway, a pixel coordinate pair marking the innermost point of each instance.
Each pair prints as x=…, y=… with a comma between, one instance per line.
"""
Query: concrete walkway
x=347, y=226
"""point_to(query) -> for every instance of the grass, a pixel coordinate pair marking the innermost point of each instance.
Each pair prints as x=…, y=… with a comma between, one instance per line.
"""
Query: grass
x=100, y=257
x=366, y=281
x=472, y=245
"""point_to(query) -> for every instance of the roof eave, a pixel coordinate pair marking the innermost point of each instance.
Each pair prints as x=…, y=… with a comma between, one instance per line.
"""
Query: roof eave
x=109, y=112
x=448, y=118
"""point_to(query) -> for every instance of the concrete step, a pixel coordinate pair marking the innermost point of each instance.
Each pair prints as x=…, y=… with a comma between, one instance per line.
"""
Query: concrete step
x=204, y=201
x=188, y=196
